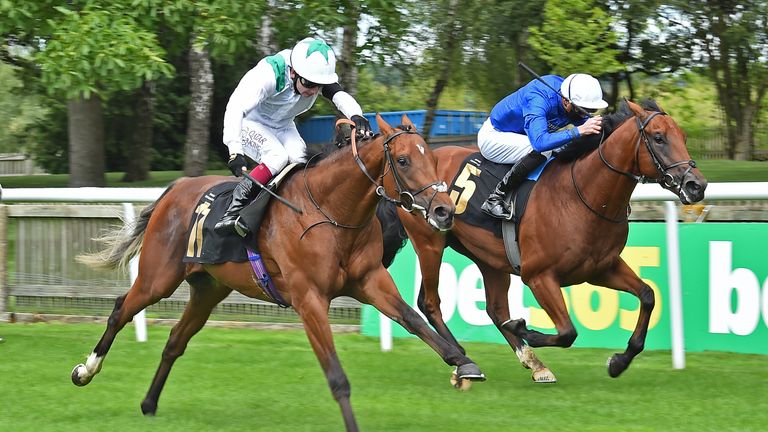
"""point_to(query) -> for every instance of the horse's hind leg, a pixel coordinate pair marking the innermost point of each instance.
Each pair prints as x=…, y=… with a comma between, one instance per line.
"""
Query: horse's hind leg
x=546, y=289
x=148, y=288
x=623, y=278
x=205, y=294
x=313, y=310
x=497, y=305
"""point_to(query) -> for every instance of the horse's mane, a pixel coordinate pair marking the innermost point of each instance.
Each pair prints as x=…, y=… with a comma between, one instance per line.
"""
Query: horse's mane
x=611, y=122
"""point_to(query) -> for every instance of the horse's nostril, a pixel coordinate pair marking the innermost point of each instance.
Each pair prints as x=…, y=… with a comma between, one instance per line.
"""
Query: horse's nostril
x=442, y=212
x=695, y=189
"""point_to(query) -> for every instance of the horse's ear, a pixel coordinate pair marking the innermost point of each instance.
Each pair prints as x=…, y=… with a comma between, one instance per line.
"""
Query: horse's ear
x=637, y=109
x=384, y=127
x=406, y=121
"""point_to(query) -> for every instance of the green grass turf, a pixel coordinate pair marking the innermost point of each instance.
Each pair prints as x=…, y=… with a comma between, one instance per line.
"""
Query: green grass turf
x=256, y=380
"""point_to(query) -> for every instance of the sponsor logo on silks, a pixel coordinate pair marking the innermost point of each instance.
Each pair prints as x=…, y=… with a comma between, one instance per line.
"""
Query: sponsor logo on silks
x=317, y=45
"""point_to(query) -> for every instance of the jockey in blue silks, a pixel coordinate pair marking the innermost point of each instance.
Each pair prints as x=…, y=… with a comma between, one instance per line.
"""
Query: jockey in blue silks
x=527, y=125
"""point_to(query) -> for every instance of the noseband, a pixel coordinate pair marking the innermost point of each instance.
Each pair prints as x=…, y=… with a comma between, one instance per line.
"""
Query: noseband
x=406, y=199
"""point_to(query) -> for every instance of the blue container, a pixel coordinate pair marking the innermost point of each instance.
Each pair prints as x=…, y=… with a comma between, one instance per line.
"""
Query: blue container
x=320, y=129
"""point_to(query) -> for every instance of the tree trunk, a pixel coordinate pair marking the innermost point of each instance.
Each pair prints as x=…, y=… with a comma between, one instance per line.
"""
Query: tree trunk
x=743, y=149
x=86, y=142
x=137, y=160
x=521, y=52
x=266, y=43
x=449, y=41
x=348, y=67
x=199, y=116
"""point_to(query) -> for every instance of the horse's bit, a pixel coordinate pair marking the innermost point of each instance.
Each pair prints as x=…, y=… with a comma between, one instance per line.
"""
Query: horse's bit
x=406, y=198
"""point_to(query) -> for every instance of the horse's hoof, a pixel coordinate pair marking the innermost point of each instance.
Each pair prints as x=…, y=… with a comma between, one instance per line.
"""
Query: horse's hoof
x=148, y=407
x=460, y=384
x=470, y=371
x=76, y=380
x=617, y=364
x=543, y=376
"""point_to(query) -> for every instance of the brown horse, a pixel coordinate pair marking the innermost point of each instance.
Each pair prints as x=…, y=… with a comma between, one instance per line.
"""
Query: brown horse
x=573, y=230
x=336, y=232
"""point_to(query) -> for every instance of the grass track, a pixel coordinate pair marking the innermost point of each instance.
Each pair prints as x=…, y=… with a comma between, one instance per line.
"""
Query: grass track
x=255, y=380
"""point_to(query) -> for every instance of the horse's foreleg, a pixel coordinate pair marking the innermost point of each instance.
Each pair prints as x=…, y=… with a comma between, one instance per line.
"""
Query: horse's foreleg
x=623, y=278
x=380, y=291
x=429, y=247
x=205, y=294
x=126, y=307
x=429, y=299
x=497, y=306
x=546, y=289
x=313, y=311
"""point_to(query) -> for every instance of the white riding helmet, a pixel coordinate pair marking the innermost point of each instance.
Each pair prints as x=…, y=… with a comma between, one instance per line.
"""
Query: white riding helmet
x=314, y=61
x=583, y=90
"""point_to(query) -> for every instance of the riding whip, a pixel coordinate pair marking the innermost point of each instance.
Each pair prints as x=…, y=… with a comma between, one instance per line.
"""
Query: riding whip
x=535, y=75
x=269, y=191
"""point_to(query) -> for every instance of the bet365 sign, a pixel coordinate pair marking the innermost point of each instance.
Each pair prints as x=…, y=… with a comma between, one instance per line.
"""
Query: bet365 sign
x=724, y=271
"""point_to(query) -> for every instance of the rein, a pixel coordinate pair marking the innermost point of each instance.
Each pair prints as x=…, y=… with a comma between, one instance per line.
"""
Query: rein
x=667, y=180
x=406, y=198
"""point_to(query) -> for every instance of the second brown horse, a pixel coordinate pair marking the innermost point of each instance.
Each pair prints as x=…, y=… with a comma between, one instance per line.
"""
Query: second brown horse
x=573, y=230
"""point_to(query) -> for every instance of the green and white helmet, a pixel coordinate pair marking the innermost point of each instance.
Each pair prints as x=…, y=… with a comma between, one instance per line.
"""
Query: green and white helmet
x=315, y=61
x=583, y=90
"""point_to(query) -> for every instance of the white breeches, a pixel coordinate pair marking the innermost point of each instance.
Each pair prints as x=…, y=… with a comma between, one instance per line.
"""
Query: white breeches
x=275, y=148
x=503, y=147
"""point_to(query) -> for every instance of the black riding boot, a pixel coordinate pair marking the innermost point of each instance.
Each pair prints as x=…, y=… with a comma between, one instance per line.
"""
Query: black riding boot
x=241, y=196
x=496, y=205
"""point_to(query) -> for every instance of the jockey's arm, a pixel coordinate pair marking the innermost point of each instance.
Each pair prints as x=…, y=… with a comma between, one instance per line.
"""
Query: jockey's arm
x=344, y=101
x=255, y=86
x=348, y=106
x=537, y=129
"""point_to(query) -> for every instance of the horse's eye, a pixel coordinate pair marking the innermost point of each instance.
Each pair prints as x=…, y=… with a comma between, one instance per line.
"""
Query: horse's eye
x=658, y=138
x=402, y=161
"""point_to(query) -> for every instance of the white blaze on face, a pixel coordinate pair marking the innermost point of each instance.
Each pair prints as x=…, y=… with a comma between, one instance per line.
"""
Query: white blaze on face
x=421, y=149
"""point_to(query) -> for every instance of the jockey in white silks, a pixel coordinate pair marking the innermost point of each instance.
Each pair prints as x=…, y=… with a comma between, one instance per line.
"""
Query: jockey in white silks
x=259, y=119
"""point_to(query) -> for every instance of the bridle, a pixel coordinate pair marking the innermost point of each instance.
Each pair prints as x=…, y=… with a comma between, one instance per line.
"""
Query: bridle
x=406, y=198
x=666, y=179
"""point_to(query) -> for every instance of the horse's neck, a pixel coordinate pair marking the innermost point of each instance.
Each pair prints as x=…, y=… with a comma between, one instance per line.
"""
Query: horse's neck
x=604, y=188
x=344, y=190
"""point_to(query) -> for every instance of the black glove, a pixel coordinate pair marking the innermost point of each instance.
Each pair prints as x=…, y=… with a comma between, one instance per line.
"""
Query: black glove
x=237, y=164
x=362, y=126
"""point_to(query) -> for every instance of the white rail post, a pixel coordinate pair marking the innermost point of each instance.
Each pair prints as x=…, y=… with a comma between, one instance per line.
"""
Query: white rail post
x=385, y=332
x=675, y=287
x=140, y=319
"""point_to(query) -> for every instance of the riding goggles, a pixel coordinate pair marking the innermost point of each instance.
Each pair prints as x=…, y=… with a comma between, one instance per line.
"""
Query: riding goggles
x=307, y=83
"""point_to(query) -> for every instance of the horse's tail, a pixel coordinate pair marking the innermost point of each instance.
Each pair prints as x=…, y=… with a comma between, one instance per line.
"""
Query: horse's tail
x=392, y=229
x=122, y=243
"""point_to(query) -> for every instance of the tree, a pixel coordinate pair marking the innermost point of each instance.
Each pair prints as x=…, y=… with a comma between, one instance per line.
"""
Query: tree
x=732, y=41
x=576, y=36
x=652, y=41
x=111, y=53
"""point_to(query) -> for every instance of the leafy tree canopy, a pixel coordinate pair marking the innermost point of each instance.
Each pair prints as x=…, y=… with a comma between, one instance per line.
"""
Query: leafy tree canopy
x=576, y=36
x=99, y=51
